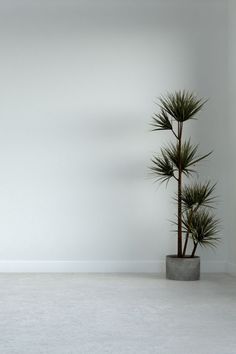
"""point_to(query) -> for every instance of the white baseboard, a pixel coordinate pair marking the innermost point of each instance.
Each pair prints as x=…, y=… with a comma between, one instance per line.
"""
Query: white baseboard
x=82, y=266
x=213, y=267
x=231, y=268
x=100, y=266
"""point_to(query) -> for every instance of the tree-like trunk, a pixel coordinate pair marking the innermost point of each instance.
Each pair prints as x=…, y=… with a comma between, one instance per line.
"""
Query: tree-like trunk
x=180, y=192
x=180, y=215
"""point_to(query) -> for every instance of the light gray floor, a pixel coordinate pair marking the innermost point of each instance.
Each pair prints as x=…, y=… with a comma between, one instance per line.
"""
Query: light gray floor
x=117, y=314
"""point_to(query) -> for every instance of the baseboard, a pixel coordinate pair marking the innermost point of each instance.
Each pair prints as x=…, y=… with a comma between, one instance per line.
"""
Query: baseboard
x=231, y=268
x=100, y=266
x=213, y=267
x=82, y=266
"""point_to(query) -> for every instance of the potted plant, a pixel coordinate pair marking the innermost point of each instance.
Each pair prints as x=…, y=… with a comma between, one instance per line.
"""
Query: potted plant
x=195, y=220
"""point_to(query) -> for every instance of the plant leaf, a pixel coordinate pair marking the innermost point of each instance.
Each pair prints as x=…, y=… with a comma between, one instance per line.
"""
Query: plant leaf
x=184, y=158
x=203, y=227
x=198, y=194
x=162, y=167
x=161, y=121
x=181, y=105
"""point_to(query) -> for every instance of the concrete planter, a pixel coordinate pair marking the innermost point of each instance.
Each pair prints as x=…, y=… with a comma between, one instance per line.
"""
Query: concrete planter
x=186, y=268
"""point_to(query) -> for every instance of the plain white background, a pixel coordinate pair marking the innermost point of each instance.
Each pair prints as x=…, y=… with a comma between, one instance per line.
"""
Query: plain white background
x=78, y=84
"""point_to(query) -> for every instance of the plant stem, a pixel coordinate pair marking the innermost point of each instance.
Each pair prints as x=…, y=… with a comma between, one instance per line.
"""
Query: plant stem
x=180, y=127
x=194, y=249
x=193, y=210
x=186, y=243
x=187, y=235
x=174, y=133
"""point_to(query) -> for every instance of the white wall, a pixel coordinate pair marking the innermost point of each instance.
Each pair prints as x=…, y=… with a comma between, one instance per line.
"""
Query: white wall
x=78, y=82
x=232, y=137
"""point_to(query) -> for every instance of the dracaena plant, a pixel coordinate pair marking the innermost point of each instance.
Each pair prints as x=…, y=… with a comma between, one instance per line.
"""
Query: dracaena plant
x=177, y=161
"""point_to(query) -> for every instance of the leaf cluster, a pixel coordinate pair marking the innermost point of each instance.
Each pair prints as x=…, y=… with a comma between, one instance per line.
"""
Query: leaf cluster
x=198, y=194
x=162, y=167
x=172, y=158
x=203, y=227
x=181, y=105
x=161, y=121
x=197, y=220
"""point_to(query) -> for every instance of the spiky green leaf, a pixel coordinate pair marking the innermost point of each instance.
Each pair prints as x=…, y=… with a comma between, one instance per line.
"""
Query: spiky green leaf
x=198, y=194
x=160, y=121
x=203, y=227
x=181, y=105
x=162, y=168
x=183, y=158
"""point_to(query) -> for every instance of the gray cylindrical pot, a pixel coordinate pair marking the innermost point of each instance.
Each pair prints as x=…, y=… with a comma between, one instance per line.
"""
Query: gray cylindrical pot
x=186, y=268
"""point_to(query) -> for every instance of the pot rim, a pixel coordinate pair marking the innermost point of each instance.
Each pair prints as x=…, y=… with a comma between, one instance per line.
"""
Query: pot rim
x=187, y=257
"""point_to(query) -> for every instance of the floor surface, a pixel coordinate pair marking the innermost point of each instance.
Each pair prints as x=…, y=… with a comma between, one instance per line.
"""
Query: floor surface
x=116, y=314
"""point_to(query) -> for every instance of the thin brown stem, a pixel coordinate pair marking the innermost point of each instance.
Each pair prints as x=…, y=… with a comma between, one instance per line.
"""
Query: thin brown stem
x=175, y=178
x=194, y=249
x=188, y=230
x=174, y=133
x=180, y=127
x=187, y=234
x=186, y=243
